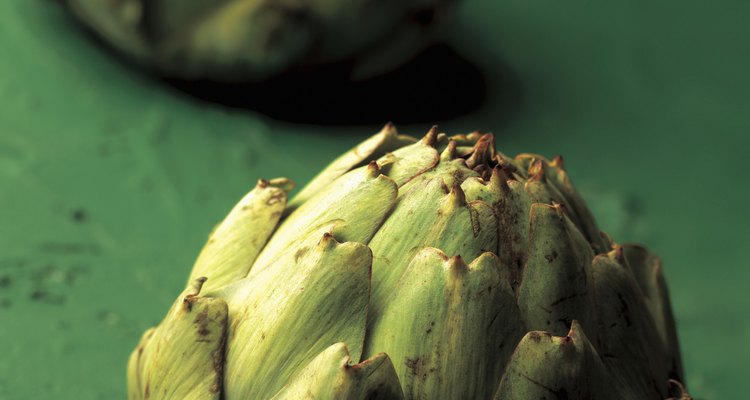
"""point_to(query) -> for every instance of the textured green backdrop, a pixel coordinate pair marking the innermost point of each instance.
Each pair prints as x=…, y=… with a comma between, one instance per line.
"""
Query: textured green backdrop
x=110, y=182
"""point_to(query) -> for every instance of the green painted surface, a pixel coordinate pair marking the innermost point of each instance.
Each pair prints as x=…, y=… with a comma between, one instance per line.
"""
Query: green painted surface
x=110, y=182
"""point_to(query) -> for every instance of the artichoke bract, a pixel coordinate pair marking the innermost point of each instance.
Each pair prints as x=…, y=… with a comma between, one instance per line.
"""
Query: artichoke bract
x=416, y=269
x=230, y=40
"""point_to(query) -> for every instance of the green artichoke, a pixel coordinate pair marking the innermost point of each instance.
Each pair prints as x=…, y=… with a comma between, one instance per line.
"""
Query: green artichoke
x=429, y=269
x=229, y=40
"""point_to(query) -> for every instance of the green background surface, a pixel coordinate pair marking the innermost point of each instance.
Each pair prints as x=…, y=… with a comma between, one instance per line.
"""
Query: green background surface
x=110, y=182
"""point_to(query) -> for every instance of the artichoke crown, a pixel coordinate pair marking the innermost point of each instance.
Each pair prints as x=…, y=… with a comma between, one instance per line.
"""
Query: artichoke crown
x=437, y=268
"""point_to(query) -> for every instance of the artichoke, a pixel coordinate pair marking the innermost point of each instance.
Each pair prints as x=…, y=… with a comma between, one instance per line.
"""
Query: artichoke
x=229, y=40
x=416, y=269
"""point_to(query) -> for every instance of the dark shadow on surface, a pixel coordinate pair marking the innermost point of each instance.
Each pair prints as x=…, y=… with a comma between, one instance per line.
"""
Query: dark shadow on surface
x=438, y=84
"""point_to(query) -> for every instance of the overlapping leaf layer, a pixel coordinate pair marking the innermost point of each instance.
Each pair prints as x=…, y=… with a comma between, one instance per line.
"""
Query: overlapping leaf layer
x=416, y=269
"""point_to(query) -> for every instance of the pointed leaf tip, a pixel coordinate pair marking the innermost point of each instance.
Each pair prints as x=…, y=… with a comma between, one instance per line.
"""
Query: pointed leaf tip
x=431, y=137
x=327, y=241
x=559, y=209
x=677, y=390
x=389, y=129
x=450, y=151
x=474, y=136
x=499, y=179
x=483, y=151
x=198, y=284
x=536, y=171
x=575, y=329
x=456, y=263
x=192, y=292
x=373, y=169
x=557, y=162
x=457, y=195
x=618, y=253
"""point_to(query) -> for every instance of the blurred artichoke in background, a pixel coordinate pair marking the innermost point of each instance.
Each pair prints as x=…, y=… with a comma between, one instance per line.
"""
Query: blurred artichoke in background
x=430, y=269
x=247, y=40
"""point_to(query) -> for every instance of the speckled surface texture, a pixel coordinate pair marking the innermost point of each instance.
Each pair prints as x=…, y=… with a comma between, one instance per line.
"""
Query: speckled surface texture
x=110, y=182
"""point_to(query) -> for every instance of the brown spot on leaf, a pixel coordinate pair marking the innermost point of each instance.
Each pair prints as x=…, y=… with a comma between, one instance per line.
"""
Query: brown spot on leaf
x=217, y=357
x=534, y=336
x=277, y=197
x=475, y=226
x=413, y=365
x=187, y=302
x=203, y=320
x=299, y=253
